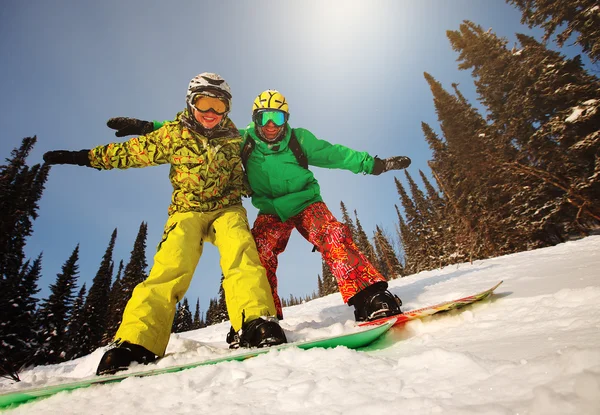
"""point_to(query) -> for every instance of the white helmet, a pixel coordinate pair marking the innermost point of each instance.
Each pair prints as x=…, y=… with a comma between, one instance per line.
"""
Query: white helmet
x=209, y=84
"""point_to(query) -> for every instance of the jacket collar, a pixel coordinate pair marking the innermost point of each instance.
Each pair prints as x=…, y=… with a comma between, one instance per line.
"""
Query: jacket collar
x=265, y=147
x=226, y=129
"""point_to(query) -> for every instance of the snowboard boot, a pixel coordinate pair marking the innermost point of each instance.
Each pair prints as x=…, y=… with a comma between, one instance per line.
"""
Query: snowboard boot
x=261, y=332
x=120, y=357
x=375, y=302
x=233, y=339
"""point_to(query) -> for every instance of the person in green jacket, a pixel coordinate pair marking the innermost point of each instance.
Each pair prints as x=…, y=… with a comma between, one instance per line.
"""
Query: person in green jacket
x=287, y=196
x=202, y=147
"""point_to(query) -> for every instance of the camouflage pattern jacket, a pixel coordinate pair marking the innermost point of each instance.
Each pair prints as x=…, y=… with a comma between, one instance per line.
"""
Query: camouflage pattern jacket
x=206, y=173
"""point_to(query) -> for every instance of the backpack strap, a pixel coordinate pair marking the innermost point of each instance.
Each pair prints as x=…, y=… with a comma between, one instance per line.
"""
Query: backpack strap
x=247, y=149
x=293, y=144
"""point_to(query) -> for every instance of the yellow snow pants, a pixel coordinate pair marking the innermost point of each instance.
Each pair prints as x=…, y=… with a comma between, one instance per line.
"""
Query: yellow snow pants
x=149, y=314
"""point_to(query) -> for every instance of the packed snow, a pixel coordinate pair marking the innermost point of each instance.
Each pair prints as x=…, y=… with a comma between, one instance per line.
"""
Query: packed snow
x=533, y=348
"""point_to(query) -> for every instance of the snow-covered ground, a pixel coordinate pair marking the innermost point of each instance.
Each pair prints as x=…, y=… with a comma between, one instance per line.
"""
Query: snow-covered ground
x=534, y=348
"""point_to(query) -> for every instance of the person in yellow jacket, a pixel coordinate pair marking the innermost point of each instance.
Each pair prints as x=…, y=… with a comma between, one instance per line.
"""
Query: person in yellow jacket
x=202, y=146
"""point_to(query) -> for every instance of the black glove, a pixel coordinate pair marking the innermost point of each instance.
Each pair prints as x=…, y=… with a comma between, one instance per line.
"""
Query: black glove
x=130, y=126
x=390, y=163
x=79, y=158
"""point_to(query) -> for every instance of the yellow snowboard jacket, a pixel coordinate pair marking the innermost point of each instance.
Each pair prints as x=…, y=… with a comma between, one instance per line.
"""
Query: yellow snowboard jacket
x=206, y=173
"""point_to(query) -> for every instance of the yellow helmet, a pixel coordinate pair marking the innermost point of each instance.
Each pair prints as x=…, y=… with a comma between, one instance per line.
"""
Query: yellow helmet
x=270, y=99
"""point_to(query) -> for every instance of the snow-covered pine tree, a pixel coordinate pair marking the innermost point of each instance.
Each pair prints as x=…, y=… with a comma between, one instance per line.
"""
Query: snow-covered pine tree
x=20, y=189
x=532, y=95
x=410, y=234
x=387, y=257
x=198, y=319
x=54, y=311
x=135, y=273
x=469, y=169
x=115, y=311
x=96, y=303
x=430, y=246
x=183, y=318
x=74, y=342
x=221, y=310
x=363, y=243
x=211, y=312
x=573, y=17
x=443, y=231
x=328, y=281
x=346, y=220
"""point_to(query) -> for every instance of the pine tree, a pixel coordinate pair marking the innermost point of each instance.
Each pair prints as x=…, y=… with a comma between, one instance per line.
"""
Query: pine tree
x=320, y=290
x=74, y=343
x=470, y=172
x=407, y=242
x=217, y=308
x=415, y=257
x=96, y=303
x=425, y=223
x=135, y=273
x=348, y=221
x=115, y=310
x=175, y=321
x=183, y=318
x=387, y=256
x=381, y=264
x=211, y=312
x=533, y=96
x=20, y=190
x=444, y=227
x=363, y=243
x=573, y=16
x=198, y=321
x=55, y=310
x=19, y=340
x=328, y=281
x=221, y=309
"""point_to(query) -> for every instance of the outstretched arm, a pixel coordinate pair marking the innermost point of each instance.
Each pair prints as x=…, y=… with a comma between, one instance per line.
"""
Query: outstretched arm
x=146, y=150
x=321, y=153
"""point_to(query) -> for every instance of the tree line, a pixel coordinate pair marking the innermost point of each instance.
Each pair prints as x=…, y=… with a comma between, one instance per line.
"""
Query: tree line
x=523, y=174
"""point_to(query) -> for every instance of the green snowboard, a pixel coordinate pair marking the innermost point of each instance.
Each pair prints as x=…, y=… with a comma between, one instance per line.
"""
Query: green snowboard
x=352, y=341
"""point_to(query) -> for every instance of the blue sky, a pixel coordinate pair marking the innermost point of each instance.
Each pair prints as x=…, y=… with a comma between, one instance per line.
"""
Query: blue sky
x=352, y=72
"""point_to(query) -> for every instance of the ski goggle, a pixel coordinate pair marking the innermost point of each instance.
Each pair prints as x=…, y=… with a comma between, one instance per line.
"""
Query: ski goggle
x=263, y=117
x=205, y=103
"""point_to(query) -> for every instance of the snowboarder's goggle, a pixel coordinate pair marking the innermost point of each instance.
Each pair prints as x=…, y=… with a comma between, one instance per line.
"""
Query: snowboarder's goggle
x=279, y=118
x=204, y=104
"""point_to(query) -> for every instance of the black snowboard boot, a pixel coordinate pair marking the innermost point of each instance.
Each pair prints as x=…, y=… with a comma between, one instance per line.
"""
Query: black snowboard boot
x=120, y=357
x=233, y=339
x=375, y=302
x=261, y=332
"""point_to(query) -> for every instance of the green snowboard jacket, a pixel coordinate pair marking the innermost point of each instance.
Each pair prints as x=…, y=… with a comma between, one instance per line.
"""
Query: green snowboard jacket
x=284, y=188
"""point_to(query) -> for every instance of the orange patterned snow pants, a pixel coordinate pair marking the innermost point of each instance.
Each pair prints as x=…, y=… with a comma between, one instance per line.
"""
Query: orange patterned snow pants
x=316, y=224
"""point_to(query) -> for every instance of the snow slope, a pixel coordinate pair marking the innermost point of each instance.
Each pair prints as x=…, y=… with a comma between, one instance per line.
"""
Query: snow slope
x=533, y=349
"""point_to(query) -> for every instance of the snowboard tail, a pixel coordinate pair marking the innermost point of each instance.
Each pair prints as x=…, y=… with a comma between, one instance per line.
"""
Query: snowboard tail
x=351, y=340
x=433, y=309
